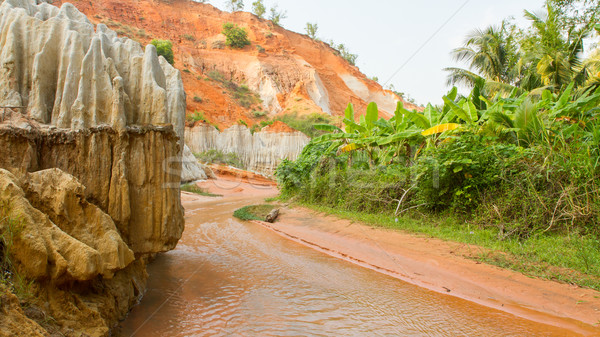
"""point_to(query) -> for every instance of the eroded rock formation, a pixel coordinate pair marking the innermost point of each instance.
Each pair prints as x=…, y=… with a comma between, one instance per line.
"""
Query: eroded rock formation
x=291, y=72
x=90, y=169
x=191, y=170
x=68, y=74
x=260, y=152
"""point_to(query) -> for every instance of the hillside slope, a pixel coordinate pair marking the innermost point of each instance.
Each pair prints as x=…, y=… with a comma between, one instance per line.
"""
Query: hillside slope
x=289, y=71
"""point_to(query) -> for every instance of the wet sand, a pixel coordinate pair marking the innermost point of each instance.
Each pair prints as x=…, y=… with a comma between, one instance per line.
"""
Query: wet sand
x=430, y=263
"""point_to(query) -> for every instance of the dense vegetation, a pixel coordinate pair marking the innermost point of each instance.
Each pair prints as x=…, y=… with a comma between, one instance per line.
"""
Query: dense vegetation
x=516, y=163
x=235, y=36
x=164, y=48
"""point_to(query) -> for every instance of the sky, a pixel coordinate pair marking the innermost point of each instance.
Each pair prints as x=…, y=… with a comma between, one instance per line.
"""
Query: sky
x=403, y=43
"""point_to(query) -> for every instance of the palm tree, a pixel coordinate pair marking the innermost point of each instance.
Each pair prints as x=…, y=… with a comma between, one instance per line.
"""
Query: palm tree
x=489, y=53
x=553, y=52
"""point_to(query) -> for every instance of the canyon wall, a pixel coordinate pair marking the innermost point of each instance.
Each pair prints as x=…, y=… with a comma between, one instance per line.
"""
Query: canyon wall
x=90, y=169
x=291, y=72
x=259, y=152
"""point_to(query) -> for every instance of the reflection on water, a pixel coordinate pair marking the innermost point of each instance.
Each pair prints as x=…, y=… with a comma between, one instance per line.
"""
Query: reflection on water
x=228, y=278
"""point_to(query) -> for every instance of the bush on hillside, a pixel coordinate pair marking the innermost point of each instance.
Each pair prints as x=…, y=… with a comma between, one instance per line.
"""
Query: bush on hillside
x=164, y=48
x=236, y=37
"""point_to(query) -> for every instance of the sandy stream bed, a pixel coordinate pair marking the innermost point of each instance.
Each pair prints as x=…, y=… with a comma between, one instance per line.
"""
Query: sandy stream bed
x=431, y=263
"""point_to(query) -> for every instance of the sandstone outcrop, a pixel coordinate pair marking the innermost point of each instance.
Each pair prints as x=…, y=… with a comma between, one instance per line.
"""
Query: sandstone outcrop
x=69, y=75
x=90, y=168
x=260, y=152
x=133, y=175
x=62, y=236
x=191, y=170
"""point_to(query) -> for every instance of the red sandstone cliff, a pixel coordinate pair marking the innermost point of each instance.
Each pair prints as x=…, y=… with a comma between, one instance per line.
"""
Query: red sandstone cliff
x=291, y=72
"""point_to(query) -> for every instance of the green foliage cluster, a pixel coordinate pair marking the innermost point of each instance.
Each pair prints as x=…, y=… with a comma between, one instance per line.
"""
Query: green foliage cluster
x=259, y=113
x=193, y=188
x=254, y=212
x=548, y=54
x=189, y=37
x=514, y=165
x=277, y=15
x=236, y=37
x=265, y=123
x=343, y=51
x=164, y=48
x=197, y=116
x=10, y=229
x=241, y=93
x=305, y=123
x=220, y=157
x=259, y=9
x=234, y=5
x=311, y=30
x=524, y=164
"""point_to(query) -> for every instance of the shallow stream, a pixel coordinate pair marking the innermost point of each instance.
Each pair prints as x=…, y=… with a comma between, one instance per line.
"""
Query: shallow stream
x=230, y=278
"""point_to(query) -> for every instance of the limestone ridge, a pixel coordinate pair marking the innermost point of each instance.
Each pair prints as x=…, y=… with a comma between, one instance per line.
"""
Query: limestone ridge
x=70, y=76
x=260, y=152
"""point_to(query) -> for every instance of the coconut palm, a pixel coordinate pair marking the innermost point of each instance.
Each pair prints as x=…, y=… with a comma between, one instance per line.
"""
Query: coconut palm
x=554, y=52
x=489, y=53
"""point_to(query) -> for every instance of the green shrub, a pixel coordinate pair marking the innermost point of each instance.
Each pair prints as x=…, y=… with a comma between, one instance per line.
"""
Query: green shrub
x=197, y=99
x=220, y=157
x=259, y=113
x=259, y=9
x=197, y=116
x=254, y=212
x=241, y=93
x=236, y=37
x=164, y=48
x=10, y=229
x=193, y=188
x=254, y=129
x=242, y=122
x=305, y=123
x=266, y=123
x=189, y=37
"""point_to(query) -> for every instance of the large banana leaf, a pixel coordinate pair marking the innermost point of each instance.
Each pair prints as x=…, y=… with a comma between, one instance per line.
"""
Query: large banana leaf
x=351, y=147
x=400, y=136
x=327, y=127
x=372, y=113
x=440, y=128
x=352, y=126
x=334, y=136
x=349, y=118
x=458, y=111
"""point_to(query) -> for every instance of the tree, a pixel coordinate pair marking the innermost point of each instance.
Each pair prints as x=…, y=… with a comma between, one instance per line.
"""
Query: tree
x=554, y=50
x=258, y=8
x=236, y=37
x=164, y=48
x=276, y=16
x=311, y=30
x=490, y=53
x=346, y=54
x=235, y=5
x=576, y=13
